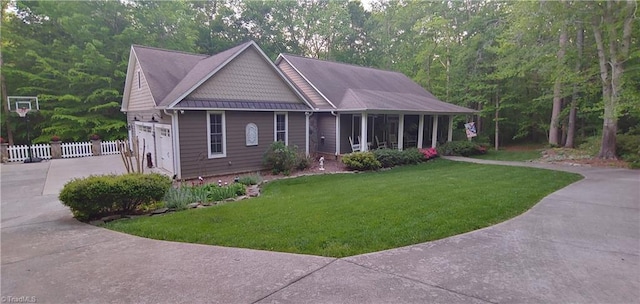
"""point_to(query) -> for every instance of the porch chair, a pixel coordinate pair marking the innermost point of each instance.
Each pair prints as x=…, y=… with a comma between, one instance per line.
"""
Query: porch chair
x=354, y=147
x=381, y=144
x=393, y=140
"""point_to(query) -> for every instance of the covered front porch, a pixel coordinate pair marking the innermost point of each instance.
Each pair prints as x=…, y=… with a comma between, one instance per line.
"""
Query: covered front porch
x=365, y=131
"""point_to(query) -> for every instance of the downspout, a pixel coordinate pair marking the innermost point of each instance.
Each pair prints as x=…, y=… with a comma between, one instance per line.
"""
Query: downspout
x=174, y=143
x=337, y=116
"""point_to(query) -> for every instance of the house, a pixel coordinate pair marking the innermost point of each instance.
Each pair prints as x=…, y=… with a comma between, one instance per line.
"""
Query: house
x=200, y=115
x=355, y=105
x=204, y=115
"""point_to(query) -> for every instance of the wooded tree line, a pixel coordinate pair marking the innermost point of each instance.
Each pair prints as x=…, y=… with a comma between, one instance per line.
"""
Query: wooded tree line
x=547, y=71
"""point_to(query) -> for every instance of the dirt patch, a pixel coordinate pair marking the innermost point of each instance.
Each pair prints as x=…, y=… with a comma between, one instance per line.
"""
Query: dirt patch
x=579, y=158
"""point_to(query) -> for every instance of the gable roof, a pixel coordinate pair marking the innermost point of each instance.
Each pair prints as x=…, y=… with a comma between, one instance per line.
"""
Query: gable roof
x=172, y=75
x=355, y=88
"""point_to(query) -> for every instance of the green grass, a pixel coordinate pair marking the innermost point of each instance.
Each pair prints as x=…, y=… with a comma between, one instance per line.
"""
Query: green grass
x=509, y=155
x=347, y=214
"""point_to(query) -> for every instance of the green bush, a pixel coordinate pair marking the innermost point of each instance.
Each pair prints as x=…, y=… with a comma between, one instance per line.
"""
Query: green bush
x=461, y=148
x=97, y=196
x=412, y=156
x=388, y=157
x=361, y=161
x=280, y=158
x=627, y=145
x=218, y=193
x=303, y=161
x=249, y=180
x=179, y=198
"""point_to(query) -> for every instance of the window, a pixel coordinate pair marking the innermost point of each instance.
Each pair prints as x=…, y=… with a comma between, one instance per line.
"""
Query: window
x=217, y=135
x=280, y=128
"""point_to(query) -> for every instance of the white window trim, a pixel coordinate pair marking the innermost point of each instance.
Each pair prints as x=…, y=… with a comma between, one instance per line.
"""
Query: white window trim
x=224, y=135
x=286, y=126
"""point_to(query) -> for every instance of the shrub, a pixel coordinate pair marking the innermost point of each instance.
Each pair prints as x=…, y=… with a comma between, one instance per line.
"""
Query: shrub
x=388, y=157
x=179, y=198
x=96, y=196
x=361, y=161
x=280, y=158
x=627, y=145
x=429, y=153
x=250, y=180
x=411, y=156
x=303, y=161
x=461, y=148
x=218, y=193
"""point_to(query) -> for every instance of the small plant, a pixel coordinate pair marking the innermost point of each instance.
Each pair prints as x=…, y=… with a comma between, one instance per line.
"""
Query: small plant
x=55, y=138
x=218, y=193
x=280, y=158
x=249, y=180
x=361, y=161
x=303, y=161
x=178, y=198
x=429, y=153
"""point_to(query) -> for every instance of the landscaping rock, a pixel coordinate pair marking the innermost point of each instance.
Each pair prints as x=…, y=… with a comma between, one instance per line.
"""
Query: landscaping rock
x=241, y=197
x=193, y=205
x=231, y=199
x=96, y=222
x=253, y=191
x=201, y=206
x=111, y=218
x=160, y=211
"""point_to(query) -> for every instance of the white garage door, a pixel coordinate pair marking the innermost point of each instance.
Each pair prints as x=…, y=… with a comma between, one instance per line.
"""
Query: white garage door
x=164, y=148
x=144, y=132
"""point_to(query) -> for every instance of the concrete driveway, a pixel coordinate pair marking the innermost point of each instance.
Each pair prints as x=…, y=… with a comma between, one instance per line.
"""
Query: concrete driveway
x=580, y=244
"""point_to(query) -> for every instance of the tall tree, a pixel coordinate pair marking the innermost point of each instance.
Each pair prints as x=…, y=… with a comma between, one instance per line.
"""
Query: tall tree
x=612, y=26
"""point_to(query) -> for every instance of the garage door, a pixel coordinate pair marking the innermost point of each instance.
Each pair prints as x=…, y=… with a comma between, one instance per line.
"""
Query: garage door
x=164, y=148
x=144, y=132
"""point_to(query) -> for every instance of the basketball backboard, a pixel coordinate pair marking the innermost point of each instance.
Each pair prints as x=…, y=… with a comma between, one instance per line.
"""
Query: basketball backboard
x=23, y=102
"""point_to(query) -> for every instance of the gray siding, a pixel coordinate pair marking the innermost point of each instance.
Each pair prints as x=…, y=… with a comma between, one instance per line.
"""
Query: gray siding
x=312, y=95
x=297, y=130
x=327, y=128
x=247, y=77
x=140, y=98
x=240, y=158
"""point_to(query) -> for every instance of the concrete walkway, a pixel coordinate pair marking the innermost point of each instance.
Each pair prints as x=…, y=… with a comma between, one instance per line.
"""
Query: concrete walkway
x=580, y=244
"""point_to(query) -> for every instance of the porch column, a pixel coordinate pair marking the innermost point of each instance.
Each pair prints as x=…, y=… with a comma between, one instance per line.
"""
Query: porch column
x=401, y=132
x=434, y=134
x=420, y=130
x=363, y=132
x=306, y=128
x=337, y=134
x=450, y=131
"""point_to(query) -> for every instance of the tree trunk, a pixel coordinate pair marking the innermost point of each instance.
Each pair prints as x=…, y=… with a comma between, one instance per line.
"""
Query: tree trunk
x=496, y=140
x=612, y=80
x=557, y=91
x=571, y=128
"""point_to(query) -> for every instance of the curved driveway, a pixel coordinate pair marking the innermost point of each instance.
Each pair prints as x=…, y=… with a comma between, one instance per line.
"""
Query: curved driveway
x=580, y=244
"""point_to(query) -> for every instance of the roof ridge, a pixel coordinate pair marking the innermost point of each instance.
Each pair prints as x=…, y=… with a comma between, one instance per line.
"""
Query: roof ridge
x=341, y=63
x=169, y=51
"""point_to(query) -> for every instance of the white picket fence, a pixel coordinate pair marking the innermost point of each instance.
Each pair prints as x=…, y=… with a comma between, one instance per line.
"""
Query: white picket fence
x=75, y=149
x=20, y=153
x=109, y=147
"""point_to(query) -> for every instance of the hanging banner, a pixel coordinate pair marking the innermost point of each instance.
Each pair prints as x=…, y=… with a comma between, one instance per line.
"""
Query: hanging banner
x=470, y=128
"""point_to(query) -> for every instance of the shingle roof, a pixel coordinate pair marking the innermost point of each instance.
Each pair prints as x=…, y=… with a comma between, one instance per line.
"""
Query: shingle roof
x=164, y=69
x=234, y=104
x=351, y=87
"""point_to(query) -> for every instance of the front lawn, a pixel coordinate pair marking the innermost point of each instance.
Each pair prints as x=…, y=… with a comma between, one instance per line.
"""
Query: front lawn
x=347, y=214
x=510, y=155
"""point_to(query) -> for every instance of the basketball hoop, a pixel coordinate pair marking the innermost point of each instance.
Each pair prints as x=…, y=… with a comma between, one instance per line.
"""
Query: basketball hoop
x=22, y=111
